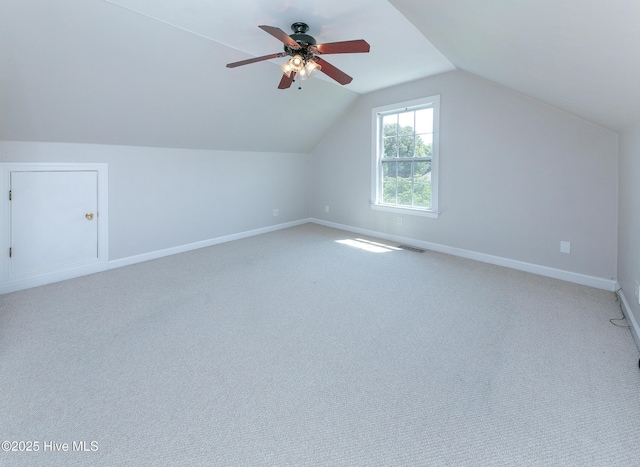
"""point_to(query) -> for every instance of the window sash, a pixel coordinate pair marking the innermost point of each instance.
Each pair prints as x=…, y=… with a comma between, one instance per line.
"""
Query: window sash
x=417, y=188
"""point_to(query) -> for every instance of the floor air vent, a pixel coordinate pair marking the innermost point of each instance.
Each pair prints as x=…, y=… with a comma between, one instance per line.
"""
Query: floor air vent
x=411, y=248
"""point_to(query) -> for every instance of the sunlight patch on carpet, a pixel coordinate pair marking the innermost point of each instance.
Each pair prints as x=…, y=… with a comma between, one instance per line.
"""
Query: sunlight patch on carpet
x=367, y=245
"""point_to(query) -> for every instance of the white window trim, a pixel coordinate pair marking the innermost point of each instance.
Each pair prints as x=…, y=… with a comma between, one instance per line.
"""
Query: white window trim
x=375, y=165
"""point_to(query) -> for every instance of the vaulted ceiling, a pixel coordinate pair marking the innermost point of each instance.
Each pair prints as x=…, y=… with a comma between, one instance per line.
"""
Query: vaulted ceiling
x=152, y=72
x=580, y=56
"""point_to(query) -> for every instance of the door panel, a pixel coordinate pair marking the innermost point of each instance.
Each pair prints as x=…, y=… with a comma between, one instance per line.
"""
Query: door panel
x=48, y=224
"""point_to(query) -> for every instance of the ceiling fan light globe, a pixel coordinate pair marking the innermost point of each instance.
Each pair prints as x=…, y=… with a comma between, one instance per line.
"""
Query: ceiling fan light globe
x=286, y=68
x=311, y=68
x=297, y=63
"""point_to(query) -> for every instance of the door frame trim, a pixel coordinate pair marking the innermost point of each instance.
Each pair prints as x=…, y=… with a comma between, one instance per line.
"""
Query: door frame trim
x=101, y=263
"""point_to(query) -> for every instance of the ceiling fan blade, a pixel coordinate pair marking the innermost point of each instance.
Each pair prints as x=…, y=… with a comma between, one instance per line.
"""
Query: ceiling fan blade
x=286, y=81
x=280, y=35
x=332, y=72
x=256, y=59
x=344, y=47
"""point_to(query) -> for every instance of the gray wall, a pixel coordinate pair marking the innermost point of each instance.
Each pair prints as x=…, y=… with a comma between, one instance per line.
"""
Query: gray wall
x=516, y=177
x=163, y=198
x=629, y=218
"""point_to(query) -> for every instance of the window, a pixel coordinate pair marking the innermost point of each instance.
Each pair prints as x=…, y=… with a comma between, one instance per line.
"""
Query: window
x=405, y=173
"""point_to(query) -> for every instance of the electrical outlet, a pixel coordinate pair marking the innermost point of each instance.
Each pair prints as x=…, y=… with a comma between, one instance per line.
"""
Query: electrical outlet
x=565, y=247
x=326, y=209
x=399, y=220
x=276, y=212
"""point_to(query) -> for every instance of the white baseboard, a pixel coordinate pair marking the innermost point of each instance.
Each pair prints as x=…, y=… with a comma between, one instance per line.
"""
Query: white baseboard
x=118, y=263
x=13, y=285
x=591, y=281
x=21, y=284
x=635, y=329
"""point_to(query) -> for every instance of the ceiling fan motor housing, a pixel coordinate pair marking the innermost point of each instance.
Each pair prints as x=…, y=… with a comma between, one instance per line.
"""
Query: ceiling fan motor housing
x=304, y=40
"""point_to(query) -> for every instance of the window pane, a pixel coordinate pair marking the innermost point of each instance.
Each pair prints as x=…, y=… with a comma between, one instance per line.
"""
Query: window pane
x=406, y=146
x=405, y=171
x=390, y=147
x=422, y=172
x=389, y=192
x=424, y=145
x=405, y=121
x=405, y=131
x=404, y=193
x=422, y=195
x=424, y=121
x=390, y=125
x=389, y=170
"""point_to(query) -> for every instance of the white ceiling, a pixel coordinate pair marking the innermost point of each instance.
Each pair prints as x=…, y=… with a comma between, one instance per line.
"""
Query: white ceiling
x=152, y=72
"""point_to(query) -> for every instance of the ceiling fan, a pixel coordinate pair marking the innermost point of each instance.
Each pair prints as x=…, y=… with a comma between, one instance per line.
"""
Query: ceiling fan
x=305, y=54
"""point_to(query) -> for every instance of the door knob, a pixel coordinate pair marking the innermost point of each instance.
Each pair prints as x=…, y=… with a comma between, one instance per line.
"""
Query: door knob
x=89, y=216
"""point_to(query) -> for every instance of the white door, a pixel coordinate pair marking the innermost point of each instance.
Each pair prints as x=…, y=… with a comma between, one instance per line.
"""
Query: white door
x=54, y=220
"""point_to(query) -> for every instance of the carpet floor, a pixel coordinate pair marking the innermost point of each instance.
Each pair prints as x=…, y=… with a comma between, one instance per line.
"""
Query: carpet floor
x=315, y=346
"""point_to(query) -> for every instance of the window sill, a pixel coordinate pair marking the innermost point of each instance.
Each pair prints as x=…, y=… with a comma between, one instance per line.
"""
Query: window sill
x=405, y=210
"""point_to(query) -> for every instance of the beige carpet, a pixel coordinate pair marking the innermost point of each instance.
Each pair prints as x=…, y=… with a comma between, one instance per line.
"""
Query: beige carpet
x=293, y=348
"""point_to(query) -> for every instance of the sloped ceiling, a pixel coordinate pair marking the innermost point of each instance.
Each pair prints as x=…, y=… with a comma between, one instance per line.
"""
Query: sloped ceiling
x=236, y=25
x=577, y=55
x=152, y=72
x=89, y=71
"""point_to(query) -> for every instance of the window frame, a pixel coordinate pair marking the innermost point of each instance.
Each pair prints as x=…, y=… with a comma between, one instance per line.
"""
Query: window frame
x=376, y=173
